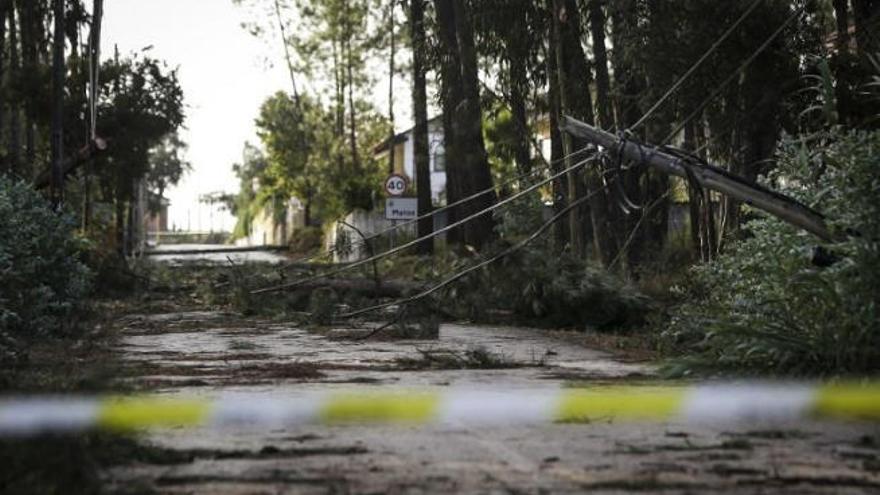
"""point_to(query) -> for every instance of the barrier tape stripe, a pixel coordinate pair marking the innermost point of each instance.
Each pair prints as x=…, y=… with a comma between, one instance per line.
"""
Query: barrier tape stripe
x=471, y=407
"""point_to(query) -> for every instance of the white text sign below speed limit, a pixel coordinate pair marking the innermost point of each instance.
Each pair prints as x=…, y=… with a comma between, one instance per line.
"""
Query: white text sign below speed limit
x=395, y=185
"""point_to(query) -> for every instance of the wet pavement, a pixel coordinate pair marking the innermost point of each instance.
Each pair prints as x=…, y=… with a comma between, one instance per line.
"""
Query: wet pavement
x=212, y=253
x=216, y=354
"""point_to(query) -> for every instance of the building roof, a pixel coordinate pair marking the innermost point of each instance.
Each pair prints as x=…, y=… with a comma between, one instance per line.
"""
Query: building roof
x=400, y=138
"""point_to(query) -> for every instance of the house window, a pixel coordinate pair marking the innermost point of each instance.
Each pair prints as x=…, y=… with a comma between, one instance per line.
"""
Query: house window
x=438, y=156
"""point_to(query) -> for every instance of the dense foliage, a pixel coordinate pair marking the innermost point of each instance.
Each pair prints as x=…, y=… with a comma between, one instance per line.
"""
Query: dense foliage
x=42, y=280
x=770, y=304
x=544, y=290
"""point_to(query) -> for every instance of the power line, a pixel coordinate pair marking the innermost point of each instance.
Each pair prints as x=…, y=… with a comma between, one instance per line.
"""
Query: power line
x=696, y=65
x=668, y=94
x=398, y=249
x=437, y=211
x=697, y=112
x=458, y=276
x=733, y=76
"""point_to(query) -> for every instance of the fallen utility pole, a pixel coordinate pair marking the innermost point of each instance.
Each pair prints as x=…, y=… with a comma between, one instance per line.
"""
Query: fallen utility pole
x=709, y=177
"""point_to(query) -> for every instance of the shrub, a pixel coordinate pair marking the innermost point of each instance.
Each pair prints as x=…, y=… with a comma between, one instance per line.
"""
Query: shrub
x=551, y=290
x=765, y=306
x=42, y=280
x=306, y=240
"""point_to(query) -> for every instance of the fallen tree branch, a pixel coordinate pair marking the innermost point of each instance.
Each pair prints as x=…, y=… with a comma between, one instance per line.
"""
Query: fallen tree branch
x=389, y=288
x=69, y=166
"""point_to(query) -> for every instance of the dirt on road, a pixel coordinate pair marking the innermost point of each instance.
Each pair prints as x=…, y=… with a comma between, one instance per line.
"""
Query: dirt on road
x=213, y=354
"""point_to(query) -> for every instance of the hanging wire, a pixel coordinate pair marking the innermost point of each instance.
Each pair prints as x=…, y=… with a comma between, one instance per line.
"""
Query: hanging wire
x=696, y=113
x=463, y=273
x=697, y=64
x=437, y=211
x=410, y=244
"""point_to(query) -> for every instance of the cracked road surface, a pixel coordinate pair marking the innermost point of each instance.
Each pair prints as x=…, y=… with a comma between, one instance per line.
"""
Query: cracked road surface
x=209, y=354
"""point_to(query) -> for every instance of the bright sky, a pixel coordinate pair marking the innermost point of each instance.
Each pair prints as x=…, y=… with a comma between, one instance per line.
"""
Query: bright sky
x=224, y=76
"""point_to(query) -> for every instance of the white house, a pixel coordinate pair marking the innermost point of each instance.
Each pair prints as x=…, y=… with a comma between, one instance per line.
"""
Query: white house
x=404, y=158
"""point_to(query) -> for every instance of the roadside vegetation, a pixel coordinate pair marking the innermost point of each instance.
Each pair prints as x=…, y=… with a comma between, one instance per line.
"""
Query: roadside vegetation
x=777, y=301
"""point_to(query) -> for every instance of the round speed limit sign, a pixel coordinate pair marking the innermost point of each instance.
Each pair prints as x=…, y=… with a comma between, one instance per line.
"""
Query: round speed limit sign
x=395, y=185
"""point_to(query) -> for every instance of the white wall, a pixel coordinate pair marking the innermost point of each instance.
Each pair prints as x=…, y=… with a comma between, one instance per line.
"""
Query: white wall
x=438, y=179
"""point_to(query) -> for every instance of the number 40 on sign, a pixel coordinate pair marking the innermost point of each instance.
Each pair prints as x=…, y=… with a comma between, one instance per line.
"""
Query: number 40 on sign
x=396, y=185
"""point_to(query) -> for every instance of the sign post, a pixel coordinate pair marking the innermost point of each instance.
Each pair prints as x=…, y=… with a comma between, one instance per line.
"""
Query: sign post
x=398, y=207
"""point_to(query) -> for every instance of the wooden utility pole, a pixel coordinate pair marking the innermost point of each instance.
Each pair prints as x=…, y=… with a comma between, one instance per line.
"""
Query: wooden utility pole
x=709, y=177
x=58, y=81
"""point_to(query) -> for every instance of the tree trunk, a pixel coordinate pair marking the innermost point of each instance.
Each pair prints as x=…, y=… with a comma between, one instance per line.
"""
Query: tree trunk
x=841, y=61
x=339, y=93
x=575, y=99
x=450, y=98
x=560, y=229
x=352, y=111
x=307, y=207
x=577, y=238
x=391, y=136
x=865, y=14
x=628, y=86
x=94, y=94
x=14, y=110
x=600, y=56
x=480, y=231
x=58, y=82
x=518, y=85
x=27, y=20
x=120, y=225
x=420, y=132
x=287, y=56
x=694, y=194
x=4, y=10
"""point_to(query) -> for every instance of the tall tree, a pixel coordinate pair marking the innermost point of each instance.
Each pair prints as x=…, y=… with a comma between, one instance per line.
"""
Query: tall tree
x=510, y=34
x=561, y=233
x=467, y=125
x=12, y=81
x=58, y=82
x=5, y=5
x=866, y=14
x=31, y=25
x=575, y=100
x=600, y=61
x=450, y=94
x=392, y=26
x=421, y=149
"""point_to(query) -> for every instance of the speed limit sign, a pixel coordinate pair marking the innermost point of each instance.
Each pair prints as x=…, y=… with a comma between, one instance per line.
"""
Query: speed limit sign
x=395, y=185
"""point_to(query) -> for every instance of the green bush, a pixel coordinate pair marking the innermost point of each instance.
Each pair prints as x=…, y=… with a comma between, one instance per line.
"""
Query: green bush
x=765, y=306
x=42, y=280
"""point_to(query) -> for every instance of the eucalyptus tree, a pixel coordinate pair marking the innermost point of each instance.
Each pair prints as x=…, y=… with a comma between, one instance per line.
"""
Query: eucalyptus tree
x=421, y=149
x=511, y=35
x=467, y=164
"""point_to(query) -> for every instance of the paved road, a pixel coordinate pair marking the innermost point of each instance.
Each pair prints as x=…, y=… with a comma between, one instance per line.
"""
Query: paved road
x=209, y=254
x=213, y=354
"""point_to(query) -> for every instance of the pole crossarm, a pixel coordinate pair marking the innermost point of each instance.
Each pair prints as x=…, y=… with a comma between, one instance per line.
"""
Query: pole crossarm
x=708, y=176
